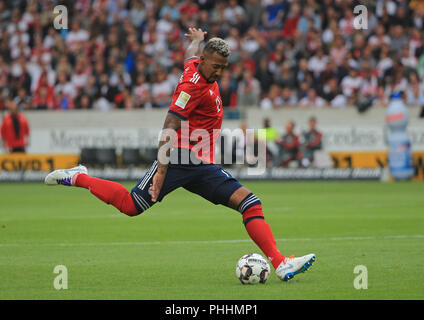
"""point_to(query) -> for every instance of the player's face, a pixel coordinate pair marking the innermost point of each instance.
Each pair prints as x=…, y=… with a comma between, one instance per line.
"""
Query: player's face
x=212, y=66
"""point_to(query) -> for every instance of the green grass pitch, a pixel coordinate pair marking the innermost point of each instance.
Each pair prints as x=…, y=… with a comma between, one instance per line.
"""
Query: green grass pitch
x=187, y=248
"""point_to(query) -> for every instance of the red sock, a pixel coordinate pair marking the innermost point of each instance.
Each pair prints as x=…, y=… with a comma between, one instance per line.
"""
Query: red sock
x=108, y=191
x=260, y=232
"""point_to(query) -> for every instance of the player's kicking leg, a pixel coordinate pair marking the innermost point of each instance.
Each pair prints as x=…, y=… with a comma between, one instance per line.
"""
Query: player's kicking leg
x=219, y=187
x=260, y=232
x=109, y=192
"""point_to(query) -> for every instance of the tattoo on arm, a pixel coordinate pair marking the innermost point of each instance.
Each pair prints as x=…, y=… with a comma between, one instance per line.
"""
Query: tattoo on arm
x=193, y=49
x=171, y=125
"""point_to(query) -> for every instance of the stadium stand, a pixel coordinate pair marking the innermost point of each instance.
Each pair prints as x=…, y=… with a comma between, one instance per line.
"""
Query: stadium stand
x=106, y=157
x=127, y=54
x=88, y=156
x=130, y=157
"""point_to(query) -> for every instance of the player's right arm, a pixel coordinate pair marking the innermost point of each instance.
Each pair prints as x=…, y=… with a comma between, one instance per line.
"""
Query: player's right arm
x=196, y=36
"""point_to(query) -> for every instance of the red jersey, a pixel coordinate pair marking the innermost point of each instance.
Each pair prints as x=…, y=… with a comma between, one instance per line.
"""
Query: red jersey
x=8, y=133
x=198, y=103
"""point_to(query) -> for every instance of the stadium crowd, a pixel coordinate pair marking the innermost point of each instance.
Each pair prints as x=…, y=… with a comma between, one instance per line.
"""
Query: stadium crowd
x=128, y=53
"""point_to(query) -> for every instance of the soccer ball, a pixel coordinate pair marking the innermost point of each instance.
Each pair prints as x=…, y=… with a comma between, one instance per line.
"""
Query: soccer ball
x=252, y=268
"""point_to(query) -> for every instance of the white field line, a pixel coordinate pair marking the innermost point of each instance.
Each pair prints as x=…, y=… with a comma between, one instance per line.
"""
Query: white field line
x=206, y=242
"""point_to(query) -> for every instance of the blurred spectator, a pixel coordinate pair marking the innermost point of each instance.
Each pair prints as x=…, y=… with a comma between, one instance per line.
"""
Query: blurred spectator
x=331, y=31
x=2, y=103
x=248, y=93
x=312, y=100
x=268, y=136
x=318, y=63
x=80, y=75
x=170, y=8
x=232, y=10
x=288, y=97
x=338, y=51
x=262, y=51
x=23, y=100
x=285, y=78
x=233, y=40
x=277, y=40
x=273, y=14
x=62, y=102
x=142, y=92
x=339, y=101
x=253, y=12
x=188, y=9
x=415, y=91
x=408, y=59
x=103, y=104
x=330, y=71
x=369, y=83
x=264, y=75
x=385, y=61
x=289, y=145
x=137, y=13
x=228, y=91
x=44, y=95
x=381, y=100
x=14, y=129
x=66, y=88
x=20, y=75
x=273, y=100
x=290, y=24
x=308, y=21
x=76, y=36
x=351, y=83
x=379, y=38
x=83, y=101
x=331, y=90
x=398, y=37
x=302, y=70
x=346, y=23
x=161, y=90
x=302, y=89
x=310, y=142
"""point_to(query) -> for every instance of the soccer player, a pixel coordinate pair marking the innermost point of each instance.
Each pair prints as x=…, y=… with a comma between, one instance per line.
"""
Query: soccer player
x=288, y=146
x=312, y=141
x=196, y=105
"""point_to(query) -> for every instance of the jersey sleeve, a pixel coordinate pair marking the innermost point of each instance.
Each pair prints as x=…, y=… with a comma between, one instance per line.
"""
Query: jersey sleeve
x=188, y=94
x=185, y=99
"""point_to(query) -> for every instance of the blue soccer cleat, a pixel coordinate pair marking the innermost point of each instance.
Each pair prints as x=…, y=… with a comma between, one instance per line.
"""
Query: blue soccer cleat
x=293, y=266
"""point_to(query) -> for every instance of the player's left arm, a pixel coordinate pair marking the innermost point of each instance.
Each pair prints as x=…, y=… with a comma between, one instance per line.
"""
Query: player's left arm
x=196, y=36
x=171, y=125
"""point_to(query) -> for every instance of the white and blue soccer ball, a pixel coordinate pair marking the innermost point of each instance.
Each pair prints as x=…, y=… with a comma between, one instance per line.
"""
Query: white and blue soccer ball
x=252, y=268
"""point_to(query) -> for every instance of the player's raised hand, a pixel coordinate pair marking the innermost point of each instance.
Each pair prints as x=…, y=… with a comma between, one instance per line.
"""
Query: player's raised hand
x=194, y=33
